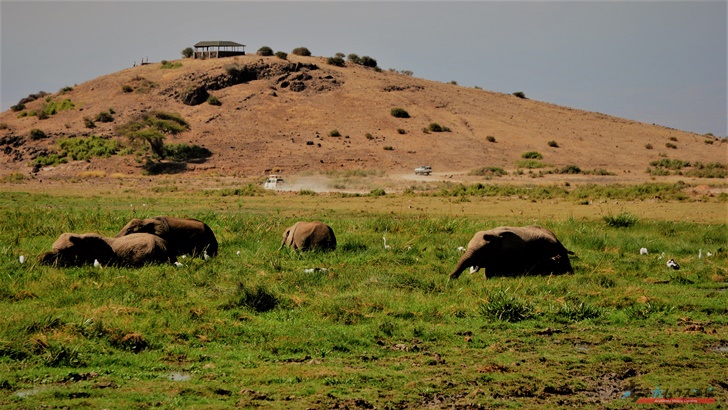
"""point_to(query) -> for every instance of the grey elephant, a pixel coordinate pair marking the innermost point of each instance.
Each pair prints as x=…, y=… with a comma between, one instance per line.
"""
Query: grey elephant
x=184, y=236
x=508, y=250
x=71, y=249
x=306, y=236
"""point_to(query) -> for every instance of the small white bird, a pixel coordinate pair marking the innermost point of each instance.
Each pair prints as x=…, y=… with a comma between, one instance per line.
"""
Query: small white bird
x=643, y=251
x=708, y=254
x=662, y=256
x=21, y=259
x=461, y=249
x=474, y=269
x=97, y=264
x=205, y=256
x=700, y=254
x=237, y=253
x=385, y=243
x=177, y=264
x=672, y=264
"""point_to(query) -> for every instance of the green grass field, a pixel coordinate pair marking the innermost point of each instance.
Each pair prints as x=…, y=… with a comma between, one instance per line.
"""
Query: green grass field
x=370, y=328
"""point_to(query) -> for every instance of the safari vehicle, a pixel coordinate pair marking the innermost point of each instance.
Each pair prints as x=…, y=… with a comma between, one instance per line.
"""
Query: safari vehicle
x=273, y=182
x=423, y=170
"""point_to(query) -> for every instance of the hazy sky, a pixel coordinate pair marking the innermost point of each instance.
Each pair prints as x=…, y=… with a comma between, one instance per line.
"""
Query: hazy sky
x=660, y=62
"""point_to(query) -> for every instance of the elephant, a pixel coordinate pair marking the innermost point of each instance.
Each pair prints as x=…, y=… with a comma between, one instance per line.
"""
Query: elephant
x=184, y=236
x=306, y=236
x=134, y=250
x=139, y=249
x=72, y=249
x=510, y=250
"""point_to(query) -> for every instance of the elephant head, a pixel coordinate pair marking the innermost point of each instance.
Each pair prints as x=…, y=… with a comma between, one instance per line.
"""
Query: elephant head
x=512, y=250
x=72, y=249
x=308, y=236
x=154, y=226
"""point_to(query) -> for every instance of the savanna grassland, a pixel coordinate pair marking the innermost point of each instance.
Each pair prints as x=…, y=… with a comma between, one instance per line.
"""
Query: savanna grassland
x=365, y=326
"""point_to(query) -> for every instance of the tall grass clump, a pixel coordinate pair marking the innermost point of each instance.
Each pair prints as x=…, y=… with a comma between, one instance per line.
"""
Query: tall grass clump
x=621, y=220
x=256, y=298
x=503, y=305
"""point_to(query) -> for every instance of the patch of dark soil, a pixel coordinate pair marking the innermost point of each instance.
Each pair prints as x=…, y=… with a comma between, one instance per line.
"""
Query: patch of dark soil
x=352, y=404
x=611, y=386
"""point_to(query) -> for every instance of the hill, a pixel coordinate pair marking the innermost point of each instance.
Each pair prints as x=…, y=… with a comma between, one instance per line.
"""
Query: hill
x=304, y=117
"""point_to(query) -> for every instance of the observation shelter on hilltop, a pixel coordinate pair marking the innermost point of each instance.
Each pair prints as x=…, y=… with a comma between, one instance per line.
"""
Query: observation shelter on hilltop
x=218, y=49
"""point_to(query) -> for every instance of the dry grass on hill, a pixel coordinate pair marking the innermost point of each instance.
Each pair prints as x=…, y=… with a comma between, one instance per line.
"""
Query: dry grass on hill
x=282, y=121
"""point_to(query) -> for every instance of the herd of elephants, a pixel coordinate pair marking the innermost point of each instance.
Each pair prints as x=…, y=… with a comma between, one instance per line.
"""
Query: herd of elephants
x=500, y=251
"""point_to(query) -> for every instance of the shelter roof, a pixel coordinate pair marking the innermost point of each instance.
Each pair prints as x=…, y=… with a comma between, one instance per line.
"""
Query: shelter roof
x=218, y=44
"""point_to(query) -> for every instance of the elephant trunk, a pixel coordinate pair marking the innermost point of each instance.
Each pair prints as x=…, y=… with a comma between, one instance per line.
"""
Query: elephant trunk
x=465, y=261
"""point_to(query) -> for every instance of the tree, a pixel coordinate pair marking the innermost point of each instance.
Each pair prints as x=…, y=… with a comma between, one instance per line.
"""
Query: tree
x=265, y=51
x=152, y=127
x=188, y=52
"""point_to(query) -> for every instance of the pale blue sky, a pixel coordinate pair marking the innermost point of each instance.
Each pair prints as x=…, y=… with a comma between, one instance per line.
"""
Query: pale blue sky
x=660, y=62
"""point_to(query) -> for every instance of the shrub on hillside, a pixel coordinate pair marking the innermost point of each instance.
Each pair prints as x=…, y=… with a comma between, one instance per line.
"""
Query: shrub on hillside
x=336, y=60
x=520, y=94
x=435, y=127
x=367, y=61
x=301, y=51
x=399, y=113
x=490, y=138
x=553, y=144
x=532, y=155
x=282, y=55
x=212, y=100
x=188, y=52
x=265, y=51
x=105, y=116
x=37, y=134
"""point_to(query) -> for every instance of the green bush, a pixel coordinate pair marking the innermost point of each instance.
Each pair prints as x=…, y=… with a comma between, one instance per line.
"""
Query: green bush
x=265, y=51
x=569, y=169
x=671, y=145
x=401, y=131
x=389, y=148
x=212, y=100
x=301, y=51
x=88, y=122
x=84, y=148
x=490, y=138
x=553, y=144
x=170, y=65
x=520, y=94
x=188, y=52
x=399, y=113
x=377, y=192
x=104, y=116
x=282, y=55
x=127, y=88
x=435, y=127
x=530, y=164
x=367, y=61
x=532, y=155
x=37, y=134
x=334, y=133
x=648, y=146
x=337, y=61
x=353, y=58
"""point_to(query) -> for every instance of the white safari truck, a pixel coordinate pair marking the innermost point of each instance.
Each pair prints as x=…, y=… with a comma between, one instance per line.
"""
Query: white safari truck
x=423, y=170
x=273, y=182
